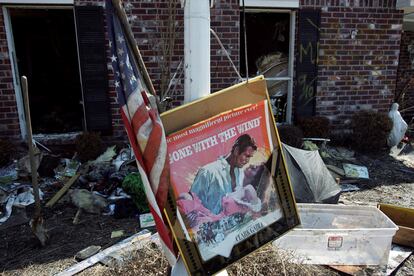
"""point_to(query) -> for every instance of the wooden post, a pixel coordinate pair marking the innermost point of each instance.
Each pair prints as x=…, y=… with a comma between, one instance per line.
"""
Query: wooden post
x=31, y=149
x=37, y=221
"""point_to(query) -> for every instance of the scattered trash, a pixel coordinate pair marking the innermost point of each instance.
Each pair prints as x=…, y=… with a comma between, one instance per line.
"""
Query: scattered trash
x=68, y=168
x=117, y=234
x=146, y=220
x=339, y=153
x=349, y=187
x=310, y=179
x=109, y=210
x=87, y=252
x=321, y=141
x=8, y=174
x=114, y=259
x=398, y=255
x=136, y=241
x=118, y=194
x=107, y=156
x=309, y=145
x=340, y=235
x=355, y=171
x=338, y=171
x=26, y=198
x=19, y=196
x=62, y=191
x=87, y=201
x=125, y=155
x=23, y=164
x=399, y=126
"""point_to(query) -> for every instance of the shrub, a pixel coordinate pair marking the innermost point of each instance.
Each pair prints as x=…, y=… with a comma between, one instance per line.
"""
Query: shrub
x=291, y=135
x=315, y=127
x=89, y=146
x=134, y=187
x=6, y=151
x=370, y=130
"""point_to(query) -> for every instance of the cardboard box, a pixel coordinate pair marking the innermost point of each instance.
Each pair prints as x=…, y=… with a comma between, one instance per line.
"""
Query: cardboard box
x=253, y=91
x=404, y=218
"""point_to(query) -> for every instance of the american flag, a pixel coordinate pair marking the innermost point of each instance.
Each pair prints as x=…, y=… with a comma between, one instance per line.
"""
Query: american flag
x=144, y=128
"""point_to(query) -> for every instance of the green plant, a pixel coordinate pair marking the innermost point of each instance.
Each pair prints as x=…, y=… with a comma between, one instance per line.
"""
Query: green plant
x=89, y=146
x=370, y=130
x=291, y=135
x=6, y=151
x=133, y=186
x=315, y=127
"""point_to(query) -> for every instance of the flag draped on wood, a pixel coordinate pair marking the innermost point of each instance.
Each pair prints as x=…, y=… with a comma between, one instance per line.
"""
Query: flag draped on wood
x=144, y=128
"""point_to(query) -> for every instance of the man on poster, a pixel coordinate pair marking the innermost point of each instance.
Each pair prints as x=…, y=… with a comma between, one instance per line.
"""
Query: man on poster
x=221, y=182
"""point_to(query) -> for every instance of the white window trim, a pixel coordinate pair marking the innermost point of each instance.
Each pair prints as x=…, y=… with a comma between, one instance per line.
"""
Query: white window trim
x=12, y=51
x=271, y=3
x=35, y=2
x=15, y=73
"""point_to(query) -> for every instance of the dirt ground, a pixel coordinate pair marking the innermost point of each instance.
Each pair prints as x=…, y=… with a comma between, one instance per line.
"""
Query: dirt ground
x=20, y=250
x=391, y=181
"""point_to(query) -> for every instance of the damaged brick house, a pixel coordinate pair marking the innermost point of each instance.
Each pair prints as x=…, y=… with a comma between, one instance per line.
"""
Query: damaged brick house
x=320, y=57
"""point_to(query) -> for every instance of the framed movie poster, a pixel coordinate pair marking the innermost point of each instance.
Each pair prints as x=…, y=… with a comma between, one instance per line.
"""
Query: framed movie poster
x=228, y=194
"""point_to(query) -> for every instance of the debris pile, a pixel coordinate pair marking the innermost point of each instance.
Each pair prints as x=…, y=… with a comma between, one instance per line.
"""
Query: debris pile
x=108, y=185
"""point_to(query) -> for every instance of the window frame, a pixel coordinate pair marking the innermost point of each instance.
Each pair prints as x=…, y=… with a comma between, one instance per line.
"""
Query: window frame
x=291, y=55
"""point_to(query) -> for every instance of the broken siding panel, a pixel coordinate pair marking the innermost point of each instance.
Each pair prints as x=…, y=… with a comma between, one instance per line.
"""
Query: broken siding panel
x=93, y=66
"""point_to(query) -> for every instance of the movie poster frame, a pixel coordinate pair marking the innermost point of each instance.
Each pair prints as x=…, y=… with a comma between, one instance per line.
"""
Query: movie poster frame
x=189, y=250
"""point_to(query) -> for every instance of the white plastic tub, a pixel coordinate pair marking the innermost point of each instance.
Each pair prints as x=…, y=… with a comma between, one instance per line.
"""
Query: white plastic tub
x=340, y=235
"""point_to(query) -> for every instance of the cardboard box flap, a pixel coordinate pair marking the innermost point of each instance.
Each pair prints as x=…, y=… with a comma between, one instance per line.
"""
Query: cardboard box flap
x=226, y=99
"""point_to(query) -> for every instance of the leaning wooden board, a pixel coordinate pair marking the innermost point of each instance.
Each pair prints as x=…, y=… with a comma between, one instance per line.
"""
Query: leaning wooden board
x=404, y=218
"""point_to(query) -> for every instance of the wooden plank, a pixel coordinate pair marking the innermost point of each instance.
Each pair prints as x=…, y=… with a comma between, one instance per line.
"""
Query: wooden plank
x=62, y=191
x=348, y=269
x=135, y=240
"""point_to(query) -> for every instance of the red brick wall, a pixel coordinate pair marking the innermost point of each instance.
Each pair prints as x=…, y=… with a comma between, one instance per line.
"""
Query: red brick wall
x=148, y=24
x=405, y=74
x=354, y=74
x=9, y=121
x=360, y=73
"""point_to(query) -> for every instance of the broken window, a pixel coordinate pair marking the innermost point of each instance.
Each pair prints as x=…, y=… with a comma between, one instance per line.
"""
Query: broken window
x=66, y=67
x=45, y=44
x=268, y=53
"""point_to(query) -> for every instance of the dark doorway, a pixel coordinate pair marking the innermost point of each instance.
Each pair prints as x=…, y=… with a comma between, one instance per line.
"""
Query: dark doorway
x=45, y=43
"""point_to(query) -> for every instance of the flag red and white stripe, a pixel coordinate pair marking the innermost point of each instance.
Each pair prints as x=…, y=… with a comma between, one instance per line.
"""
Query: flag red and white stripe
x=145, y=131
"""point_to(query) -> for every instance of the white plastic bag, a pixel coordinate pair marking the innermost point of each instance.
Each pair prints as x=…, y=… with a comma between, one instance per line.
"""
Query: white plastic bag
x=399, y=126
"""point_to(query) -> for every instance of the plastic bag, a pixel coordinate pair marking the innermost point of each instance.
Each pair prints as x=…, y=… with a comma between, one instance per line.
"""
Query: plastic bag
x=399, y=126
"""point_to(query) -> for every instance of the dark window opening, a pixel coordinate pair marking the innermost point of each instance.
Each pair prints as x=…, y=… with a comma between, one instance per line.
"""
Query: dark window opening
x=267, y=34
x=46, y=51
x=268, y=40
